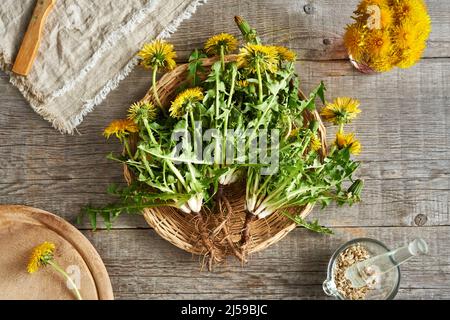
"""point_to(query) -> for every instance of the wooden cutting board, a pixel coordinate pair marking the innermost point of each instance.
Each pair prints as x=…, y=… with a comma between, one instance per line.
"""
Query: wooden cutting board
x=21, y=229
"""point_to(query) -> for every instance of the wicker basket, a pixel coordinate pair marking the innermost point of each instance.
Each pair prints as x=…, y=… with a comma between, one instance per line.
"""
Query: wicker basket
x=225, y=224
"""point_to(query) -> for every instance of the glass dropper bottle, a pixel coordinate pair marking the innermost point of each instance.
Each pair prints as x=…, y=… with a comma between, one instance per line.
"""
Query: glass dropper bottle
x=368, y=272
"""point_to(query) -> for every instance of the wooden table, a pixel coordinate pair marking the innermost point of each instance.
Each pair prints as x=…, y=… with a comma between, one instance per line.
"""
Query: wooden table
x=404, y=128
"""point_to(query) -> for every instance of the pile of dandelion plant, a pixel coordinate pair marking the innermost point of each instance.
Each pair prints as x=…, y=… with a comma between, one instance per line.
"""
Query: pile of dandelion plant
x=240, y=121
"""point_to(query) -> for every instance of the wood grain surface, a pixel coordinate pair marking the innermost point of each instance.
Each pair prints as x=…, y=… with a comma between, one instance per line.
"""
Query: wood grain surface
x=404, y=129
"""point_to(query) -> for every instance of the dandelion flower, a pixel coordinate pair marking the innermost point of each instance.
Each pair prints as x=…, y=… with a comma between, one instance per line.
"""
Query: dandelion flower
x=120, y=128
x=40, y=256
x=284, y=54
x=348, y=141
x=223, y=42
x=184, y=101
x=254, y=56
x=378, y=42
x=315, y=143
x=382, y=63
x=408, y=8
x=354, y=40
x=405, y=34
x=423, y=26
x=158, y=54
x=342, y=110
x=386, y=17
x=242, y=83
x=408, y=57
x=142, y=111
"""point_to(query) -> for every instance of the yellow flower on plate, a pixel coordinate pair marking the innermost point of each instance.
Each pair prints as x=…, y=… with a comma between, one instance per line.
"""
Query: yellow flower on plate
x=142, y=111
x=43, y=255
x=342, y=110
x=378, y=42
x=284, y=54
x=254, y=56
x=158, y=54
x=222, y=41
x=180, y=106
x=120, y=128
x=348, y=141
x=354, y=40
x=40, y=256
x=315, y=143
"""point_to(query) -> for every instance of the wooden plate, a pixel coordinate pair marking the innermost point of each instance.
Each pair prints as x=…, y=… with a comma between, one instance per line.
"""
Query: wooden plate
x=21, y=229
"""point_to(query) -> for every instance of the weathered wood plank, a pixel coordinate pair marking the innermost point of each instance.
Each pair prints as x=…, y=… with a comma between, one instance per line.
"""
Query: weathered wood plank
x=314, y=36
x=142, y=265
x=404, y=130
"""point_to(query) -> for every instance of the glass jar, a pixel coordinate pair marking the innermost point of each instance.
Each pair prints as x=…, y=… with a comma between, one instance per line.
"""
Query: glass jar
x=389, y=282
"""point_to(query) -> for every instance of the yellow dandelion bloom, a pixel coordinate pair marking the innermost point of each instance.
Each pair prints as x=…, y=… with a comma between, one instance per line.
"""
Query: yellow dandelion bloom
x=293, y=132
x=378, y=42
x=348, y=141
x=142, y=110
x=40, y=256
x=242, y=83
x=158, y=54
x=423, y=26
x=120, y=128
x=184, y=100
x=342, y=110
x=405, y=35
x=409, y=57
x=315, y=143
x=226, y=41
x=354, y=40
x=408, y=8
x=254, y=55
x=386, y=17
x=284, y=54
x=383, y=63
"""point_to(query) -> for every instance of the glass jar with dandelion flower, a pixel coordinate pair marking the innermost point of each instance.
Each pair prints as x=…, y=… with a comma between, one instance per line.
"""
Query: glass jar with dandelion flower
x=387, y=34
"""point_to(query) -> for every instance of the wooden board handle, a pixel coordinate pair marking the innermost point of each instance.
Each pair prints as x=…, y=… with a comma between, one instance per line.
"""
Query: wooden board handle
x=32, y=39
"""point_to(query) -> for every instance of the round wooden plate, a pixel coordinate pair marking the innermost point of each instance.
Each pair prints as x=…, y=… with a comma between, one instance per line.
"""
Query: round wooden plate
x=21, y=229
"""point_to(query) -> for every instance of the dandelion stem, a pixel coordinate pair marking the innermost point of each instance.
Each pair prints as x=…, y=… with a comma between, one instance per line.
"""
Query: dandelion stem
x=149, y=131
x=225, y=125
x=341, y=128
x=67, y=277
x=217, y=149
x=222, y=57
x=127, y=148
x=194, y=134
x=155, y=92
x=260, y=84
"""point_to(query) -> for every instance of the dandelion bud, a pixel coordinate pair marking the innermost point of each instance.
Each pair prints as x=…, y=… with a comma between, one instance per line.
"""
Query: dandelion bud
x=354, y=191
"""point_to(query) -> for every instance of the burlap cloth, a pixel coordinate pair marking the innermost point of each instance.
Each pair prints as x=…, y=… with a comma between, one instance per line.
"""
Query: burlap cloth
x=88, y=47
